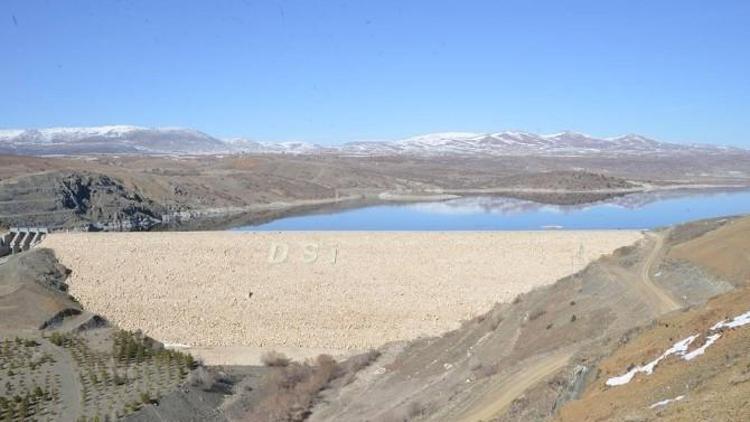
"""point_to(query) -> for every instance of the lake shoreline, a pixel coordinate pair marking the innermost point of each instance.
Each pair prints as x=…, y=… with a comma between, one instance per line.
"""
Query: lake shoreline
x=638, y=211
x=239, y=217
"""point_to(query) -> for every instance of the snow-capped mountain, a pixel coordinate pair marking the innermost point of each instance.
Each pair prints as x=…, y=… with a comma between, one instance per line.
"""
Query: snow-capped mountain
x=559, y=144
x=251, y=146
x=108, y=140
x=523, y=144
x=139, y=140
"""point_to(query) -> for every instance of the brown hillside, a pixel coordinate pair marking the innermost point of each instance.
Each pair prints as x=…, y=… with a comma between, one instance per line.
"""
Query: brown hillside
x=714, y=386
x=725, y=252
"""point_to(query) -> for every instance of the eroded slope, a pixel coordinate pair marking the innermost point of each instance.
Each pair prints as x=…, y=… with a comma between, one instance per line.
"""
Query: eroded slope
x=525, y=360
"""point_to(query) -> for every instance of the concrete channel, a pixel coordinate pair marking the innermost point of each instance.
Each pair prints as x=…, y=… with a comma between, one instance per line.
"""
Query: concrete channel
x=19, y=239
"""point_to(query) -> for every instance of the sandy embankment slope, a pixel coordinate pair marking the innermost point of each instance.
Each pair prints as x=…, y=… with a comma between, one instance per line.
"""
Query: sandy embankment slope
x=313, y=290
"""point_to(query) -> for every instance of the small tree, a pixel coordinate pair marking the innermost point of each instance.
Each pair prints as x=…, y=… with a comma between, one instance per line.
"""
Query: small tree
x=24, y=408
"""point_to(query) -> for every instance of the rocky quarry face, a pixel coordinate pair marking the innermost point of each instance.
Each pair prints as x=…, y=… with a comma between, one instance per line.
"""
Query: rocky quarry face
x=76, y=199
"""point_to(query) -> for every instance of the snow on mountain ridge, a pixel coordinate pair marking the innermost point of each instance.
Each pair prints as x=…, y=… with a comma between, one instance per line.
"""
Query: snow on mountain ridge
x=108, y=140
x=171, y=140
x=439, y=137
x=91, y=129
x=518, y=143
x=10, y=133
x=65, y=133
x=112, y=130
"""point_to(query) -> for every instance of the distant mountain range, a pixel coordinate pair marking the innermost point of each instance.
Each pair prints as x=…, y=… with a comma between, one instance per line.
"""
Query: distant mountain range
x=179, y=141
x=108, y=139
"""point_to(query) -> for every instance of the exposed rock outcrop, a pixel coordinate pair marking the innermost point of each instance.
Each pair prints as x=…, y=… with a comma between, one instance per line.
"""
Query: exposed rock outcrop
x=76, y=199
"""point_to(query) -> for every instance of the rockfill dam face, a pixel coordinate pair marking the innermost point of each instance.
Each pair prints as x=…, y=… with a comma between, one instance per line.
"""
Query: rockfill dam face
x=335, y=290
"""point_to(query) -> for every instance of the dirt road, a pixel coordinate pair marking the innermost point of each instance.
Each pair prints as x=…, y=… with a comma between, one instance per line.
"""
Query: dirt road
x=70, y=386
x=660, y=298
x=509, y=388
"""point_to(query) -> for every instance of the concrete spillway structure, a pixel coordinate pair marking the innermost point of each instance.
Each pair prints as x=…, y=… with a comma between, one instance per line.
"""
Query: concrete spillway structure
x=20, y=239
x=5, y=243
x=26, y=244
x=15, y=243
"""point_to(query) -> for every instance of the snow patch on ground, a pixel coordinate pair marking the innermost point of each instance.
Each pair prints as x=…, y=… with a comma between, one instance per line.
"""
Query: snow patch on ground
x=699, y=351
x=737, y=321
x=678, y=348
x=176, y=346
x=666, y=402
x=681, y=349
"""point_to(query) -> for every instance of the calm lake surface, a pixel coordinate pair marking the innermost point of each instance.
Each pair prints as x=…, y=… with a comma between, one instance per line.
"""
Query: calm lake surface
x=637, y=211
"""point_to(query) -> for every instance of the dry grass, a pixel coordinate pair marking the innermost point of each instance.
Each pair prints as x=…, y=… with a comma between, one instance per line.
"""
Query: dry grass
x=356, y=363
x=287, y=392
x=290, y=391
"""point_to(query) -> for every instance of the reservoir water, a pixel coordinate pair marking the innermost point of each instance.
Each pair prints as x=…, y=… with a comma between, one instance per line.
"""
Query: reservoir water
x=636, y=211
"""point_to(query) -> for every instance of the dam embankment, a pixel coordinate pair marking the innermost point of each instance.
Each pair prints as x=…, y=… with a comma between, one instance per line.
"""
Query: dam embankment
x=335, y=290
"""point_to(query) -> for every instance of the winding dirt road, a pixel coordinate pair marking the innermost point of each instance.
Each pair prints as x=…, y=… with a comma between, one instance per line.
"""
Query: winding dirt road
x=499, y=397
x=662, y=300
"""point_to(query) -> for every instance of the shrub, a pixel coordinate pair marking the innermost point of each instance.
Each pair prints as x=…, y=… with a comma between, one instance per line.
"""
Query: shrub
x=30, y=343
x=117, y=379
x=189, y=360
x=536, y=314
x=57, y=339
x=202, y=378
x=275, y=359
x=488, y=370
x=358, y=362
x=288, y=392
x=416, y=409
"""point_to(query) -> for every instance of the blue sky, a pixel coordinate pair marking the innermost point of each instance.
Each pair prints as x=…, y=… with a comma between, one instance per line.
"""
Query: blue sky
x=330, y=71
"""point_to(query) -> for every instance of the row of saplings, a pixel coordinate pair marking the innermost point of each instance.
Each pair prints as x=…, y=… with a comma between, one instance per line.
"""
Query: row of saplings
x=128, y=348
x=23, y=406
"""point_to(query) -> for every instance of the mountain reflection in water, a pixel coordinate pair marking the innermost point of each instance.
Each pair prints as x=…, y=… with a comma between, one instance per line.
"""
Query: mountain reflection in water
x=635, y=211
